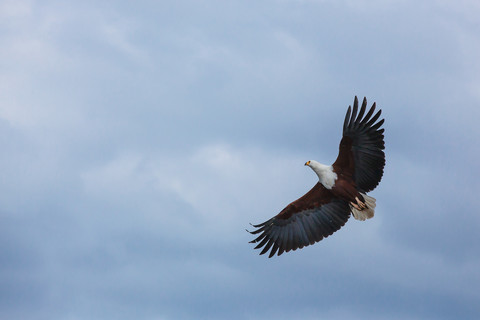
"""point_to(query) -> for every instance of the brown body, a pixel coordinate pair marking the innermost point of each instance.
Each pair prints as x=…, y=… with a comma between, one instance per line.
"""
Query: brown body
x=346, y=189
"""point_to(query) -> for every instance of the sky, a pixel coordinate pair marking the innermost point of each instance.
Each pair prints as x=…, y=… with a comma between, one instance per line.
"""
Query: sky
x=140, y=138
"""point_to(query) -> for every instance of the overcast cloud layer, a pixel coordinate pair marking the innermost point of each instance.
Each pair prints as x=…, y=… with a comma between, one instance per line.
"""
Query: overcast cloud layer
x=139, y=139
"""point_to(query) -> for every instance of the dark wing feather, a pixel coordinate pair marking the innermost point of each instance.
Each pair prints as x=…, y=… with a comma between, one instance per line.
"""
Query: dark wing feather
x=361, y=154
x=303, y=222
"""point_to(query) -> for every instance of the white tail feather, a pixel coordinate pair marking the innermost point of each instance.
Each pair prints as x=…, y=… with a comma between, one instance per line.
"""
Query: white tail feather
x=365, y=213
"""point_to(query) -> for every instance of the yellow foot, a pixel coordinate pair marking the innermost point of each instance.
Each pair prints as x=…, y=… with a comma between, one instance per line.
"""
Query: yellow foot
x=360, y=204
x=356, y=206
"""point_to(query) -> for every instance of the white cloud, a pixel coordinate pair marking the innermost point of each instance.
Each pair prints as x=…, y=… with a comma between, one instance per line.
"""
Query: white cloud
x=13, y=9
x=226, y=187
x=117, y=36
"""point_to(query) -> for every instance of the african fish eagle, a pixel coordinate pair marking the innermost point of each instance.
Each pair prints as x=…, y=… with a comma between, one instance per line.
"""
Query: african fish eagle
x=341, y=188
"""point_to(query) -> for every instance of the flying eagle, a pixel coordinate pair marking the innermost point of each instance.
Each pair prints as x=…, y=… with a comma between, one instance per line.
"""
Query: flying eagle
x=341, y=188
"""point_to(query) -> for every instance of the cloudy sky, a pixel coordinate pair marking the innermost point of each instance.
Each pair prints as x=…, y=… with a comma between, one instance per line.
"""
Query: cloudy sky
x=140, y=138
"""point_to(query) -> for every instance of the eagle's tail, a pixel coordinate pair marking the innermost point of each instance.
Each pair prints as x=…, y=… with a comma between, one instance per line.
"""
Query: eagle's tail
x=367, y=212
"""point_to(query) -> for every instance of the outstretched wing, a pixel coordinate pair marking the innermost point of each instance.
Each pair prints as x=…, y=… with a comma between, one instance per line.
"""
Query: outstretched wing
x=361, y=154
x=314, y=216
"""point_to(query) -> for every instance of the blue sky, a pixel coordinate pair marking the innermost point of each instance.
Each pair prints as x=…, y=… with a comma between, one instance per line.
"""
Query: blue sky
x=139, y=139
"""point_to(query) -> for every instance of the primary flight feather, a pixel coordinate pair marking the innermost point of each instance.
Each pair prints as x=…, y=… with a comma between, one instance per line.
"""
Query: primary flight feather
x=341, y=189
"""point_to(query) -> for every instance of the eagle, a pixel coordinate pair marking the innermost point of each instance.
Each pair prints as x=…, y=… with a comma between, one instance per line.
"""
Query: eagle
x=341, y=189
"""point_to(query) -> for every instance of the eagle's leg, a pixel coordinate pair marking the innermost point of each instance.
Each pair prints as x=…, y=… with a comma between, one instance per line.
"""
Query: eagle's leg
x=359, y=205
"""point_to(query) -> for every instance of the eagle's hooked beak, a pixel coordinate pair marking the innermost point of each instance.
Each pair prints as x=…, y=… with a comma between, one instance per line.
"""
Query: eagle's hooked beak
x=307, y=163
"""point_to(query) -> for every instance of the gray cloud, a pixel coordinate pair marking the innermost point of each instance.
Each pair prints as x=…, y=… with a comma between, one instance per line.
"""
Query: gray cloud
x=139, y=141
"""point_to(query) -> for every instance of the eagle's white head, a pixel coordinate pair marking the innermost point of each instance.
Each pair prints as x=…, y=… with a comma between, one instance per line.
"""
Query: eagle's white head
x=325, y=174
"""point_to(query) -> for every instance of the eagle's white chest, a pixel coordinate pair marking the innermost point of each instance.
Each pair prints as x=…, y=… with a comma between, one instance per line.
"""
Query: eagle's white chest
x=325, y=174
